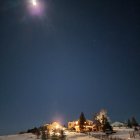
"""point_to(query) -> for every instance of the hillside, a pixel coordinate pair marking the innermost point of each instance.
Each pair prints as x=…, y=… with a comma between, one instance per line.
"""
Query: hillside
x=121, y=133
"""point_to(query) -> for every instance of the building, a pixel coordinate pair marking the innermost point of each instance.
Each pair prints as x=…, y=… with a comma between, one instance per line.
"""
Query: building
x=53, y=128
x=89, y=126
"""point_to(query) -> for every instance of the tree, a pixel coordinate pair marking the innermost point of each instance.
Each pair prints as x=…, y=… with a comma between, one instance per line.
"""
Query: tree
x=129, y=123
x=35, y=130
x=101, y=120
x=102, y=113
x=82, y=121
x=38, y=133
x=44, y=137
x=97, y=122
x=134, y=122
x=62, y=135
x=105, y=124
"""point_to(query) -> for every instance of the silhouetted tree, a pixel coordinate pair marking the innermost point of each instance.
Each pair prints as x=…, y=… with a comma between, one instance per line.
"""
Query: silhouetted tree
x=105, y=124
x=82, y=121
x=38, y=133
x=62, y=135
x=34, y=130
x=134, y=122
x=96, y=122
x=44, y=137
x=129, y=123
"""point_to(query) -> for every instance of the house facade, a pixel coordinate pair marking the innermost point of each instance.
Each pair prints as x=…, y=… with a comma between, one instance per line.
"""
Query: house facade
x=89, y=126
x=54, y=126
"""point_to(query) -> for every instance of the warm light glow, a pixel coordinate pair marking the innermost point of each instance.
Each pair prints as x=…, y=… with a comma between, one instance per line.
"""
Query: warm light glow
x=58, y=134
x=34, y=2
x=76, y=122
x=57, y=126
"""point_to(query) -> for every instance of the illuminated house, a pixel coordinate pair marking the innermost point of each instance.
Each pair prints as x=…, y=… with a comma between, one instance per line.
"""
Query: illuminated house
x=55, y=126
x=89, y=126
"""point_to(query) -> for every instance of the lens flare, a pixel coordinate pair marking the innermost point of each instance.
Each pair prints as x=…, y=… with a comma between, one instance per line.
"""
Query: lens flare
x=36, y=7
x=34, y=2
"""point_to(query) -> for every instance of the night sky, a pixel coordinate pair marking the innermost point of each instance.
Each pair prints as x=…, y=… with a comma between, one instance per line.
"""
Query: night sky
x=67, y=57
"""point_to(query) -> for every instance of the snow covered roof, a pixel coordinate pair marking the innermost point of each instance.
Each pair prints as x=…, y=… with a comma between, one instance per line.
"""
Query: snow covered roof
x=117, y=124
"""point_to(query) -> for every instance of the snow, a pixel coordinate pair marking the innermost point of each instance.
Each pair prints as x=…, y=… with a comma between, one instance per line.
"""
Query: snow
x=71, y=136
x=124, y=133
x=120, y=133
x=117, y=124
x=79, y=136
x=18, y=137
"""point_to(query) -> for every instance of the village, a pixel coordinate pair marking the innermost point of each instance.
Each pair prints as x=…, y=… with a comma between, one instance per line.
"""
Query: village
x=100, y=127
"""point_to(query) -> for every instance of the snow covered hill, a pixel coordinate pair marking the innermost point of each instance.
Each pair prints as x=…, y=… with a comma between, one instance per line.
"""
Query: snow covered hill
x=18, y=137
x=121, y=133
x=71, y=136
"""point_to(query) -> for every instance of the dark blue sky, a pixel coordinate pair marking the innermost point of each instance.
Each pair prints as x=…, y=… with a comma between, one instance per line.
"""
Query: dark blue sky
x=77, y=56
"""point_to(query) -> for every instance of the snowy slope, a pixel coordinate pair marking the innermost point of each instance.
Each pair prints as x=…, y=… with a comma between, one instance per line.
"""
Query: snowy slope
x=79, y=136
x=18, y=137
x=124, y=133
x=121, y=133
x=71, y=136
